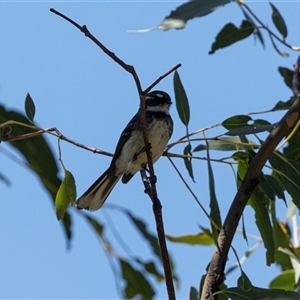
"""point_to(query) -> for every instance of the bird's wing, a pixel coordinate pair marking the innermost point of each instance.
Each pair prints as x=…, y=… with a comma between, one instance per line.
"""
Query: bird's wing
x=125, y=135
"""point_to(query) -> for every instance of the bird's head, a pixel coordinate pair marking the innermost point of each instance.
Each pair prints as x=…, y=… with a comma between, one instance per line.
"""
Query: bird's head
x=158, y=101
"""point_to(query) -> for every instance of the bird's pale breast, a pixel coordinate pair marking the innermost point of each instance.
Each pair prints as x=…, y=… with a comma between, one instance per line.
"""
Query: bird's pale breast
x=132, y=158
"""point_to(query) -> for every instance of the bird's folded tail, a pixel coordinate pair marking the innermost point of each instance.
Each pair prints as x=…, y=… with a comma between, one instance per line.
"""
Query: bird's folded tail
x=96, y=195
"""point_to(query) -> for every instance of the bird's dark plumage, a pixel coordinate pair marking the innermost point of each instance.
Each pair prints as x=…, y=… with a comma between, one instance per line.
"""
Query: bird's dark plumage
x=130, y=156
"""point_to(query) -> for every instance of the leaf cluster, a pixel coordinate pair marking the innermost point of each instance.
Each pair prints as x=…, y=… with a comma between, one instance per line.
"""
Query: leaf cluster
x=240, y=141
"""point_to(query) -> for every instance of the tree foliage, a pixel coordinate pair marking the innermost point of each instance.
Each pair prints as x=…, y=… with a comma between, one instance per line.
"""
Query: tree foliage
x=244, y=138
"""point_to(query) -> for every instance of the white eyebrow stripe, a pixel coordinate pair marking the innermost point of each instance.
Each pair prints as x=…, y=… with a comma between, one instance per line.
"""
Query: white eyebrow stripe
x=156, y=95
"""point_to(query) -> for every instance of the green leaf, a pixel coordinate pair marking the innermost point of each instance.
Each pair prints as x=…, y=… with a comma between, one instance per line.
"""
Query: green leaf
x=292, y=150
x=236, y=122
x=285, y=280
x=188, y=161
x=271, y=187
x=257, y=32
x=29, y=107
x=243, y=159
x=66, y=195
x=182, y=103
x=278, y=21
x=151, y=269
x=244, y=282
x=288, y=173
x=192, y=9
x=246, y=291
x=259, y=293
x=287, y=75
x=38, y=155
x=193, y=294
x=136, y=283
x=249, y=129
x=230, y=34
x=96, y=225
x=281, y=53
x=202, y=238
x=141, y=226
x=1, y=134
x=67, y=225
x=294, y=257
x=281, y=239
x=260, y=205
x=221, y=144
x=284, y=105
x=213, y=203
x=35, y=150
x=240, y=156
x=291, y=211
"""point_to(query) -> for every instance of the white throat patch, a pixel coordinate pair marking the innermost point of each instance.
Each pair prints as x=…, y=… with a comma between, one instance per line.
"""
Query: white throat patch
x=159, y=108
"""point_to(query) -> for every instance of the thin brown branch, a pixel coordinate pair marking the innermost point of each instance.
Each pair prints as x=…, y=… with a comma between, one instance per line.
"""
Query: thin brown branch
x=216, y=268
x=142, y=95
x=151, y=86
x=183, y=156
x=55, y=132
x=193, y=194
x=112, y=55
x=243, y=4
x=157, y=209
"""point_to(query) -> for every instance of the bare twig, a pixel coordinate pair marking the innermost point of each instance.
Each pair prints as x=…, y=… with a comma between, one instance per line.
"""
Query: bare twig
x=151, y=86
x=243, y=4
x=152, y=190
x=55, y=132
x=215, y=271
x=161, y=236
x=193, y=194
x=86, y=32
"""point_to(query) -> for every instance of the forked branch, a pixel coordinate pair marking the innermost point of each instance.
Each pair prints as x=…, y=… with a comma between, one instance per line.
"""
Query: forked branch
x=152, y=192
x=214, y=276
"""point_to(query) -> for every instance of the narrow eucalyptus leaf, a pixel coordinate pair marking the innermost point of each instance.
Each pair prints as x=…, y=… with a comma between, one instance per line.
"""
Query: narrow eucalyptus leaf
x=193, y=294
x=136, y=283
x=35, y=151
x=151, y=268
x=66, y=195
x=287, y=75
x=259, y=293
x=188, y=161
x=213, y=203
x=249, y=130
x=182, y=103
x=29, y=107
x=285, y=281
x=263, y=222
x=141, y=226
x=1, y=134
x=278, y=21
x=236, y=122
x=202, y=238
x=39, y=157
x=257, y=32
x=230, y=34
x=288, y=173
x=284, y=105
x=223, y=144
x=187, y=11
x=96, y=225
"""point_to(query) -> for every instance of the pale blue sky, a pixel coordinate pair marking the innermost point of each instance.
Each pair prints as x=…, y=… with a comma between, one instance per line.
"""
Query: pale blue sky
x=89, y=98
